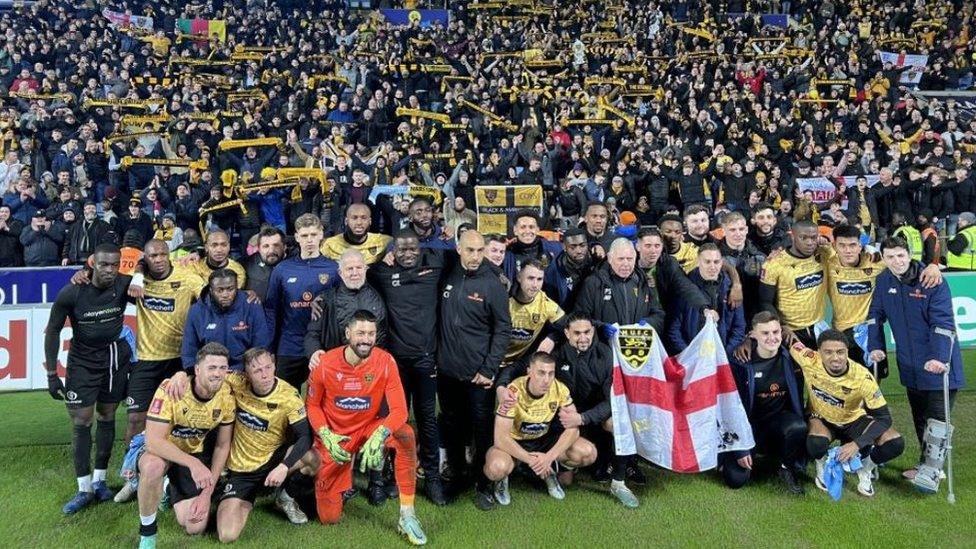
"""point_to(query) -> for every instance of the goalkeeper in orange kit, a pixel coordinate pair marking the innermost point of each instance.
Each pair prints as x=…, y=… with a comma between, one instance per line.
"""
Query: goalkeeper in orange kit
x=345, y=392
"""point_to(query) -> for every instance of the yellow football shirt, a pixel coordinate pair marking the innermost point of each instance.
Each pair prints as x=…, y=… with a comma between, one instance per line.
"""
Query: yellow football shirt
x=800, y=290
x=192, y=418
x=204, y=270
x=532, y=415
x=528, y=320
x=373, y=248
x=262, y=422
x=837, y=399
x=687, y=256
x=851, y=288
x=162, y=312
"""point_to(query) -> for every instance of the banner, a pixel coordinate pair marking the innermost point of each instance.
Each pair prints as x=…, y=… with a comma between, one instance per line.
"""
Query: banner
x=408, y=192
x=22, y=346
x=497, y=205
x=781, y=20
x=30, y=285
x=204, y=27
x=677, y=412
x=917, y=63
x=965, y=101
x=124, y=20
x=426, y=18
x=821, y=189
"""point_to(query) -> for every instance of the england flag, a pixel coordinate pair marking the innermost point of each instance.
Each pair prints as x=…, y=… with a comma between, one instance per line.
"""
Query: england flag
x=677, y=412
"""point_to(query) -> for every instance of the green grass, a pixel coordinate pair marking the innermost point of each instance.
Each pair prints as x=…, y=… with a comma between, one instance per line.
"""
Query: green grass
x=676, y=510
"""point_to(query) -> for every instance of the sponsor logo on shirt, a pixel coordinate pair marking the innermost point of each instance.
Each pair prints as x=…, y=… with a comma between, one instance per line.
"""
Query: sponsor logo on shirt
x=534, y=429
x=159, y=304
x=476, y=297
x=521, y=334
x=251, y=421
x=353, y=404
x=182, y=432
x=827, y=398
x=240, y=326
x=854, y=288
x=811, y=280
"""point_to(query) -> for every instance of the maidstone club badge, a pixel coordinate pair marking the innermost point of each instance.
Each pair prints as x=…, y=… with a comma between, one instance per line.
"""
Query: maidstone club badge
x=323, y=278
x=635, y=345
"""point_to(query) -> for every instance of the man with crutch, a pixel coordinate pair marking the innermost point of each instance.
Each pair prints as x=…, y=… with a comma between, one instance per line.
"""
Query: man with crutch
x=929, y=362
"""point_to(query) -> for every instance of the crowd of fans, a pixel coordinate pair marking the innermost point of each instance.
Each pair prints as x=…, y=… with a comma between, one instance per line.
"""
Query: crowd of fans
x=718, y=110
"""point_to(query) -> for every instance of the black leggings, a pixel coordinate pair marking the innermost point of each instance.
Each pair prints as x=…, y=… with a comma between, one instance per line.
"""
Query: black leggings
x=926, y=405
x=782, y=435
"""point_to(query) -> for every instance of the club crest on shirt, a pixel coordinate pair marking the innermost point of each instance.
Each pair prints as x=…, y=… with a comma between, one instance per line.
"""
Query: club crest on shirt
x=635, y=345
x=323, y=278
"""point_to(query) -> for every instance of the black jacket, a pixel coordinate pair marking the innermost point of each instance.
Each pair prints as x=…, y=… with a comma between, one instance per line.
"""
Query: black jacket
x=11, y=252
x=588, y=375
x=411, y=303
x=475, y=323
x=41, y=248
x=339, y=303
x=608, y=299
x=77, y=249
x=258, y=274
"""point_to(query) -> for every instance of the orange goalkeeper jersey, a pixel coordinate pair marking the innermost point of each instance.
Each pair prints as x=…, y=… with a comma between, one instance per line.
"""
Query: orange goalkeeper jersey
x=347, y=398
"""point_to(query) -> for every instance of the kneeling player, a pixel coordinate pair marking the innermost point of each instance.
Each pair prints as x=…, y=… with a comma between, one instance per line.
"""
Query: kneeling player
x=529, y=431
x=345, y=394
x=847, y=405
x=268, y=408
x=176, y=432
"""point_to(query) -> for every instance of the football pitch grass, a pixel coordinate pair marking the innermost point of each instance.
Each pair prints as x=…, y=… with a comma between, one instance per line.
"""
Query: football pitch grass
x=36, y=479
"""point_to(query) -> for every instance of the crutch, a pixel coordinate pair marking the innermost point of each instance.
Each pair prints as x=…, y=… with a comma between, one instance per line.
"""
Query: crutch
x=951, y=334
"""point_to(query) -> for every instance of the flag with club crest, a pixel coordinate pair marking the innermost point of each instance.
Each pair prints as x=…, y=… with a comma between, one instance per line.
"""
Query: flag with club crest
x=677, y=412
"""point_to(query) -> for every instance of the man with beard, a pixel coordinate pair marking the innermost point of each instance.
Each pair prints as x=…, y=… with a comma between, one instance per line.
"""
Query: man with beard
x=178, y=446
x=96, y=371
x=217, y=249
x=663, y=273
x=85, y=235
x=224, y=315
x=346, y=393
x=528, y=245
x=595, y=221
x=291, y=289
x=421, y=222
x=410, y=288
x=565, y=274
x=474, y=334
x=697, y=223
x=259, y=266
x=372, y=246
x=766, y=233
x=742, y=254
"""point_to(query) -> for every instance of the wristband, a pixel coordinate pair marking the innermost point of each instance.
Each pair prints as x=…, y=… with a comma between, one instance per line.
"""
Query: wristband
x=137, y=280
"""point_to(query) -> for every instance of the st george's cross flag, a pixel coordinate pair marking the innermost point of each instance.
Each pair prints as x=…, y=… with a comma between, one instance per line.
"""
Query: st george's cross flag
x=677, y=412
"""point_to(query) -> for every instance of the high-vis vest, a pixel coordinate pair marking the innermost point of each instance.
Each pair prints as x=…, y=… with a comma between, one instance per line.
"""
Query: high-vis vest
x=967, y=259
x=913, y=238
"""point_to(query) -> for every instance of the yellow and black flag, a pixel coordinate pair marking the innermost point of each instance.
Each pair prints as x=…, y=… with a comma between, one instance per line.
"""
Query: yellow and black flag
x=497, y=205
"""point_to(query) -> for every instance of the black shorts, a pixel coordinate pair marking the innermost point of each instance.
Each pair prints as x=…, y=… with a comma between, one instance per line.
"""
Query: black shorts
x=181, y=485
x=248, y=486
x=545, y=442
x=850, y=431
x=145, y=378
x=103, y=380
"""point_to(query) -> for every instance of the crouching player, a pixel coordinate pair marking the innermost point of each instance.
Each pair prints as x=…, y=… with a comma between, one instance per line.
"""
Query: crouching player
x=270, y=413
x=529, y=431
x=176, y=446
x=846, y=404
x=345, y=392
